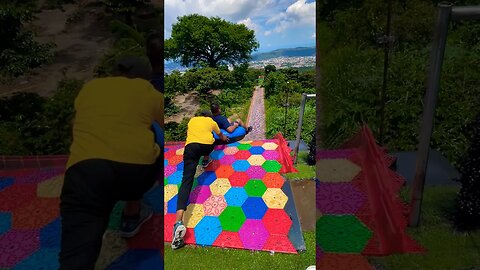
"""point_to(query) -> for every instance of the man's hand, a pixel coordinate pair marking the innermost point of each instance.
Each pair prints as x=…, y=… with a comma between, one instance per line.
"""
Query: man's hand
x=232, y=128
x=224, y=138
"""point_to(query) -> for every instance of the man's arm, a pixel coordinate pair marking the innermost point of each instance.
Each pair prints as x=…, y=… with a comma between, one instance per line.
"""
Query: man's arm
x=232, y=128
x=216, y=129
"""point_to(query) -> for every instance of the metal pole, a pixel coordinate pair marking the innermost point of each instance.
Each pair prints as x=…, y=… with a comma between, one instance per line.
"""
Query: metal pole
x=466, y=13
x=431, y=95
x=299, y=127
x=383, y=98
x=286, y=111
x=318, y=100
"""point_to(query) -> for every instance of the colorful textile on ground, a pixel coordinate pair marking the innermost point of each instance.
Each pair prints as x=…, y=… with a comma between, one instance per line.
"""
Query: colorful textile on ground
x=359, y=212
x=238, y=201
x=30, y=225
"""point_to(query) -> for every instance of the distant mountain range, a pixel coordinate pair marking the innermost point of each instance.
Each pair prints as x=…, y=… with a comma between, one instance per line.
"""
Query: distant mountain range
x=290, y=52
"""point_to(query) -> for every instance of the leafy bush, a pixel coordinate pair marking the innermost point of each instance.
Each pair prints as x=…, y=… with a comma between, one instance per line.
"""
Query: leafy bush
x=170, y=107
x=290, y=73
x=40, y=126
x=19, y=52
x=274, y=83
x=176, y=132
x=175, y=83
x=210, y=79
x=307, y=79
x=231, y=98
x=253, y=74
x=352, y=79
x=269, y=68
x=275, y=116
x=122, y=47
x=58, y=114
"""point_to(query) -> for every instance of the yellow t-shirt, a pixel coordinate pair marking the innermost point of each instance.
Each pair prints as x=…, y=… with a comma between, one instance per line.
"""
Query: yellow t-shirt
x=113, y=121
x=200, y=130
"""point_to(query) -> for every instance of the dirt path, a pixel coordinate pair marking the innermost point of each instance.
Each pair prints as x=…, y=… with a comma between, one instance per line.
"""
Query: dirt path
x=79, y=47
x=188, y=103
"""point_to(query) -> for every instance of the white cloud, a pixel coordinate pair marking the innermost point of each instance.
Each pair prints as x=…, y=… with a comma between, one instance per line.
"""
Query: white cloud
x=297, y=14
x=250, y=24
x=313, y=35
x=232, y=10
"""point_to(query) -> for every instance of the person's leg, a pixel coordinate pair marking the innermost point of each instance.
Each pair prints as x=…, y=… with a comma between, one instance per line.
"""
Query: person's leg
x=240, y=122
x=191, y=157
x=84, y=209
x=134, y=180
x=207, y=149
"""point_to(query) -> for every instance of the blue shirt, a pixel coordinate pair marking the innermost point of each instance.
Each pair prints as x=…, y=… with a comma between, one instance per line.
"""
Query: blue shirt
x=222, y=121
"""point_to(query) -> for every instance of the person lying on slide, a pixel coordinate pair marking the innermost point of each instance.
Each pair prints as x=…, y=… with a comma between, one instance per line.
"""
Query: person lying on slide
x=226, y=123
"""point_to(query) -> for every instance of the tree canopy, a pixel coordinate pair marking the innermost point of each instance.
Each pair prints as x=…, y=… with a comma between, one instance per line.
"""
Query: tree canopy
x=200, y=41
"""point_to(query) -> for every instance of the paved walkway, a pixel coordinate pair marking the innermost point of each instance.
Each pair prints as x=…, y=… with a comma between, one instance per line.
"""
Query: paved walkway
x=256, y=116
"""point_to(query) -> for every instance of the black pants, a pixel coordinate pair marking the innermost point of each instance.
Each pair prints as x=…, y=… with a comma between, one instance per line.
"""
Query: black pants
x=191, y=156
x=90, y=190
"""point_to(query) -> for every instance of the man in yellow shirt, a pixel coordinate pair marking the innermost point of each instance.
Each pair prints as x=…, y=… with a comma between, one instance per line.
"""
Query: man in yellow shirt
x=200, y=142
x=113, y=157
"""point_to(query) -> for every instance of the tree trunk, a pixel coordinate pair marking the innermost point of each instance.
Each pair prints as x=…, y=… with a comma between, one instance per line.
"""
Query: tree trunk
x=212, y=63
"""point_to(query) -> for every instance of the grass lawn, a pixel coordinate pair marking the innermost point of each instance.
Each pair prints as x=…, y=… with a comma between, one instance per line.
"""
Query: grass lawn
x=305, y=171
x=447, y=249
x=199, y=258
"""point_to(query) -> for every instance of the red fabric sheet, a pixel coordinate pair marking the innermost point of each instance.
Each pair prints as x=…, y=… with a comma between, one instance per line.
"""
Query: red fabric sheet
x=385, y=213
x=285, y=159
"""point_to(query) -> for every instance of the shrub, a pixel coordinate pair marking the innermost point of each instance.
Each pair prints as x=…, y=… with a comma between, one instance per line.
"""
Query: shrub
x=121, y=48
x=176, y=132
x=19, y=52
x=275, y=83
x=275, y=116
x=40, y=126
x=175, y=83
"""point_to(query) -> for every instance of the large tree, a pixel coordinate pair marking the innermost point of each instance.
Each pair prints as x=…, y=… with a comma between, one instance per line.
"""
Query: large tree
x=197, y=40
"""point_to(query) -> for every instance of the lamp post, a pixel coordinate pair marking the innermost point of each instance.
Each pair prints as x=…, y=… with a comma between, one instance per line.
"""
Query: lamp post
x=286, y=110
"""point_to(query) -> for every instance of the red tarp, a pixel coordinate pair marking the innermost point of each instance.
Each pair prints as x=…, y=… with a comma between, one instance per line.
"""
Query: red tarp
x=285, y=159
x=384, y=213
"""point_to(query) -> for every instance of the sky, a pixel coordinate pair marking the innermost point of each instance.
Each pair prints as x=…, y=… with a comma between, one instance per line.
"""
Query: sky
x=277, y=23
